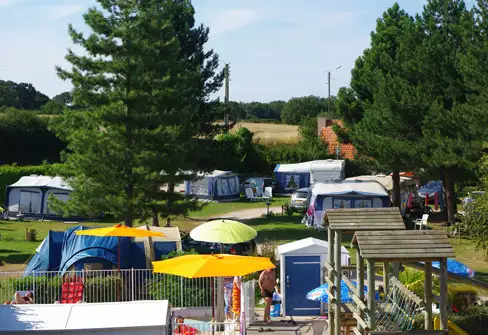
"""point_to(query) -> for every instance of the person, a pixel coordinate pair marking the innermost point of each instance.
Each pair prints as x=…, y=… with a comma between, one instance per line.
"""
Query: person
x=267, y=283
x=183, y=329
x=28, y=298
x=228, y=283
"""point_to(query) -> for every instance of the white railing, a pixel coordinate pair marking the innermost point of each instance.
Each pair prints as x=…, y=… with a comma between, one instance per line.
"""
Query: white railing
x=108, y=286
x=248, y=302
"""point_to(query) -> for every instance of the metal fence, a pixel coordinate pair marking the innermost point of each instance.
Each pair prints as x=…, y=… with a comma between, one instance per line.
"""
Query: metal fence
x=249, y=300
x=109, y=286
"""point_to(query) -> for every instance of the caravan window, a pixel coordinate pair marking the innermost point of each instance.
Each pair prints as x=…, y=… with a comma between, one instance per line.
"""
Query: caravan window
x=363, y=203
x=341, y=203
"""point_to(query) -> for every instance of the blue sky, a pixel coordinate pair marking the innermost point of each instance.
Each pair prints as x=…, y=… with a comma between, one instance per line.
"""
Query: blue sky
x=278, y=49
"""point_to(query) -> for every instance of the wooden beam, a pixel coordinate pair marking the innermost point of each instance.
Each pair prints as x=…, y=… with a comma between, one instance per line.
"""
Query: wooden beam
x=337, y=266
x=331, y=275
x=428, y=296
x=385, y=277
x=371, y=294
x=443, y=293
x=360, y=321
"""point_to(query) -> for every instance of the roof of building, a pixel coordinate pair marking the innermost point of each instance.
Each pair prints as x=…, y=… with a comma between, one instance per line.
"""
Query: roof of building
x=412, y=245
x=360, y=219
x=347, y=150
x=308, y=245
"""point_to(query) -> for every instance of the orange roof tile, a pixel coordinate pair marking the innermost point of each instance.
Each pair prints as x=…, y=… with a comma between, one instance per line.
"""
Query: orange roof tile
x=347, y=150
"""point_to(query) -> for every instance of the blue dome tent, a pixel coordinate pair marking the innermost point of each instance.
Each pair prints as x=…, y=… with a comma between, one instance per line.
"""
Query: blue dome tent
x=48, y=254
x=79, y=250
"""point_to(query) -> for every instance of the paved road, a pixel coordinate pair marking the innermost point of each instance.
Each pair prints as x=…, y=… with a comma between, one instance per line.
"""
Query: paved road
x=252, y=213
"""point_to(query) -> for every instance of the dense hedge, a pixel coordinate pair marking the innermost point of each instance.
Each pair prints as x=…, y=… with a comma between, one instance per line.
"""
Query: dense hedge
x=9, y=174
x=473, y=321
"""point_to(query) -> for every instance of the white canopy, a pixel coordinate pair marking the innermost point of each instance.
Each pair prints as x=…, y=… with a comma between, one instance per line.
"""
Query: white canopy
x=316, y=166
x=372, y=188
x=308, y=245
x=42, y=181
x=384, y=180
x=84, y=318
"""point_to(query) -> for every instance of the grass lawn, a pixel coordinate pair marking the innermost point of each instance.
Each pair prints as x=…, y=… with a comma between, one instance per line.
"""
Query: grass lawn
x=14, y=248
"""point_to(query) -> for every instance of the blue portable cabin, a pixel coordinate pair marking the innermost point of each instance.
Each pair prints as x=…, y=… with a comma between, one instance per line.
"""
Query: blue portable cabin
x=346, y=194
x=301, y=271
x=291, y=177
x=217, y=186
x=48, y=254
x=30, y=196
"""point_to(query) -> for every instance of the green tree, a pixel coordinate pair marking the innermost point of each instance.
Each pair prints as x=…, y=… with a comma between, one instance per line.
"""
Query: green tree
x=144, y=84
x=64, y=99
x=21, y=96
x=389, y=102
x=455, y=125
x=52, y=107
x=297, y=109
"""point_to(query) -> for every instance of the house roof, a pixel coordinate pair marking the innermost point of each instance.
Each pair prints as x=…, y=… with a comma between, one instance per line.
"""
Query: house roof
x=347, y=150
x=308, y=245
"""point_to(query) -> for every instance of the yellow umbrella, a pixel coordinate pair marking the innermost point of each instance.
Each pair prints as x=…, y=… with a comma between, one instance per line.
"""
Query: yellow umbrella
x=119, y=231
x=219, y=265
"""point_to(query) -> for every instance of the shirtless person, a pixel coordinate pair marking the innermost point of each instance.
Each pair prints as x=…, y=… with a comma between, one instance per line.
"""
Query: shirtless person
x=267, y=283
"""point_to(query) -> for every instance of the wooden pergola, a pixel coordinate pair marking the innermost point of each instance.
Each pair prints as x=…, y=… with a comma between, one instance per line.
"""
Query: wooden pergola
x=348, y=221
x=405, y=246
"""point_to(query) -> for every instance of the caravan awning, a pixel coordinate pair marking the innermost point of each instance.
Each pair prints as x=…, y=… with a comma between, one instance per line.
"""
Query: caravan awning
x=42, y=181
x=350, y=187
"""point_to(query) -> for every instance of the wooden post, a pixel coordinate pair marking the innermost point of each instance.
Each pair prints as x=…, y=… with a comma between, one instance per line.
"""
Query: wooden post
x=371, y=294
x=360, y=273
x=396, y=269
x=338, y=278
x=443, y=297
x=360, y=281
x=386, y=278
x=428, y=295
x=330, y=256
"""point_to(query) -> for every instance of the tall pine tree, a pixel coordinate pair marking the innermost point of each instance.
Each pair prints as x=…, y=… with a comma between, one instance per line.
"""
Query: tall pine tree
x=144, y=82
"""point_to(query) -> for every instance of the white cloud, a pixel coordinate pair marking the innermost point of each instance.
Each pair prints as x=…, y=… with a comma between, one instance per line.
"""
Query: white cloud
x=60, y=11
x=231, y=19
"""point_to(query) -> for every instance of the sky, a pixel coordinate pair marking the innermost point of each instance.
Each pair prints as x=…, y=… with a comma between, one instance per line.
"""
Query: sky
x=277, y=49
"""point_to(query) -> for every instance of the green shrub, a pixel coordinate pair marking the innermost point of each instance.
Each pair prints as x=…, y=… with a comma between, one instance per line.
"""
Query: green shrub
x=473, y=321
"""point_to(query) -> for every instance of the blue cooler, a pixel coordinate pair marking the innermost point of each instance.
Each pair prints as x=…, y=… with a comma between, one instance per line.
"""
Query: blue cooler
x=275, y=306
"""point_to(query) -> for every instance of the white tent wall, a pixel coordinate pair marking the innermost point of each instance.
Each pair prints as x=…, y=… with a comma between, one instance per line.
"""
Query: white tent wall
x=140, y=318
x=25, y=200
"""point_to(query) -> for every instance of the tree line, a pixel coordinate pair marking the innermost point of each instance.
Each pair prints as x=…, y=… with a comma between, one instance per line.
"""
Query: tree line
x=417, y=98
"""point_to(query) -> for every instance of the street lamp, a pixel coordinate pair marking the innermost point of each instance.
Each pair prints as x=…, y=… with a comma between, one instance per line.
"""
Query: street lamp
x=328, y=80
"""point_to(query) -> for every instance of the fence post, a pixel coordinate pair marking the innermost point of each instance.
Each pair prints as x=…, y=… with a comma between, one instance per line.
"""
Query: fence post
x=181, y=292
x=132, y=283
x=83, y=282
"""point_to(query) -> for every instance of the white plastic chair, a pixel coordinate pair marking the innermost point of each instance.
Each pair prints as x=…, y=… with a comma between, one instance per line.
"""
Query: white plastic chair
x=250, y=195
x=268, y=193
x=422, y=223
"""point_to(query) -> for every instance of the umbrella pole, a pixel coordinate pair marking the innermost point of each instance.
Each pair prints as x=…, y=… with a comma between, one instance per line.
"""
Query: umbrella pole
x=212, y=290
x=118, y=254
x=118, y=269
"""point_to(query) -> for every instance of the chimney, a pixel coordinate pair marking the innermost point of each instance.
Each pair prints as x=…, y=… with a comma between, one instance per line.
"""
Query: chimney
x=321, y=123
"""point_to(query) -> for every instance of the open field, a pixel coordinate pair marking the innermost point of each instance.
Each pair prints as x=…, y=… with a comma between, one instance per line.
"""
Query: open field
x=271, y=133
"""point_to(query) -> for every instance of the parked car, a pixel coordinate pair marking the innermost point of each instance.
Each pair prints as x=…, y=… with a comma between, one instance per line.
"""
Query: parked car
x=299, y=199
x=244, y=249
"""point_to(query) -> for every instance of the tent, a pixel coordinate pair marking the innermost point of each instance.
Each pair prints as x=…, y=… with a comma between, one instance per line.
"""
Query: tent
x=96, y=252
x=407, y=186
x=48, y=254
x=431, y=189
x=290, y=177
x=218, y=185
x=347, y=194
x=30, y=195
x=154, y=248
x=65, y=251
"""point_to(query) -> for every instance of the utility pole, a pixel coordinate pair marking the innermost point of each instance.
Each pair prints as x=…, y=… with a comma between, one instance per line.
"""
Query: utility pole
x=226, y=98
x=328, y=100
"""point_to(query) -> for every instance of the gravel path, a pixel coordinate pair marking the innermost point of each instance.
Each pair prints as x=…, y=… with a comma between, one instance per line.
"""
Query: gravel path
x=252, y=213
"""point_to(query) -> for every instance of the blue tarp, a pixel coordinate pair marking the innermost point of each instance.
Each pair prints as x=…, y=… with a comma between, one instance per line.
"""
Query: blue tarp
x=319, y=294
x=48, y=257
x=80, y=249
x=456, y=267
